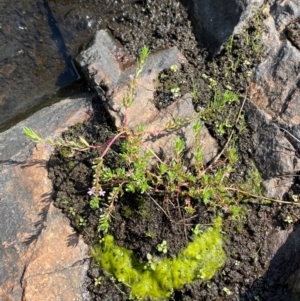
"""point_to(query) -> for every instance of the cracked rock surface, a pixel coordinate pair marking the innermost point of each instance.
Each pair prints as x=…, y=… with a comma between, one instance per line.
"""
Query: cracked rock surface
x=273, y=113
x=41, y=256
x=103, y=69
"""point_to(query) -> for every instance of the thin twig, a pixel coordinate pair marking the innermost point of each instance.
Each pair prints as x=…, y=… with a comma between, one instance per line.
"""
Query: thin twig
x=261, y=197
x=159, y=206
x=167, y=215
x=289, y=134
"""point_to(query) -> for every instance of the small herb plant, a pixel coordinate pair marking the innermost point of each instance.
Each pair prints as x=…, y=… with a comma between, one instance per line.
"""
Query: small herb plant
x=151, y=262
x=174, y=68
x=172, y=179
x=163, y=247
x=175, y=91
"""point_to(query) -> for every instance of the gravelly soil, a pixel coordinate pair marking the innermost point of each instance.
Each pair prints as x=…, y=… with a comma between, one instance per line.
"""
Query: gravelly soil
x=138, y=223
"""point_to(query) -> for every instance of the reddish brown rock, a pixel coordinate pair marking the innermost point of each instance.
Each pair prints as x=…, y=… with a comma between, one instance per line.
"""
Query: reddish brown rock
x=102, y=68
x=38, y=257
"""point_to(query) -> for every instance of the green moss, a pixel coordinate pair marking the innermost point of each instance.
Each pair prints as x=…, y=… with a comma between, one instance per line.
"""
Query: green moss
x=199, y=260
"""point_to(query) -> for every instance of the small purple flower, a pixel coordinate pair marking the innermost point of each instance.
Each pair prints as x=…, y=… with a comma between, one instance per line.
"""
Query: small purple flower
x=48, y=147
x=227, y=175
x=91, y=191
x=102, y=192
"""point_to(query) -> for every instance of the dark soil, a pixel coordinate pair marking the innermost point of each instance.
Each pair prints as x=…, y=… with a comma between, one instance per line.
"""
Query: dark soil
x=138, y=222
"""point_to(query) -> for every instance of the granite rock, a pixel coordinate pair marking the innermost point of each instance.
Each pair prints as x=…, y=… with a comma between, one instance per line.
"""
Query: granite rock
x=38, y=257
x=273, y=110
x=110, y=78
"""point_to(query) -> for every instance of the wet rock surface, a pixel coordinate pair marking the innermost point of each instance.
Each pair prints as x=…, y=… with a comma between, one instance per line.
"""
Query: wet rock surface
x=33, y=63
x=215, y=21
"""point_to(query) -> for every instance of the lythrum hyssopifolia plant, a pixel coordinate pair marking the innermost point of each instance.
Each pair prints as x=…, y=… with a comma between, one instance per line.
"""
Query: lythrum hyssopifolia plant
x=138, y=174
x=145, y=172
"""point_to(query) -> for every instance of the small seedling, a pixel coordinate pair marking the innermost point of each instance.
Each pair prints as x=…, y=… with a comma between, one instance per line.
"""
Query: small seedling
x=189, y=209
x=288, y=219
x=249, y=73
x=151, y=263
x=212, y=82
x=65, y=201
x=163, y=247
x=197, y=230
x=221, y=128
x=150, y=234
x=175, y=91
x=174, y=68
x=97, y=281
x=72, y=211
x=237, y=212
x=227, y=291
x=194, y=92
x=81, y=221
x=229, y=45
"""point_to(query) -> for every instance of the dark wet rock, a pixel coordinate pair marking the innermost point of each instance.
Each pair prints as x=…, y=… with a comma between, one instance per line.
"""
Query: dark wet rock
x=273, y=113
x=215, y=21
x=34, y=62
x=101, y=64
x=41, y=258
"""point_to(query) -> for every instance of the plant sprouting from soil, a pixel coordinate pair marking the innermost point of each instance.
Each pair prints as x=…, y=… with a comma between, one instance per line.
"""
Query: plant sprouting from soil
x=163, y=247
x=143, y=171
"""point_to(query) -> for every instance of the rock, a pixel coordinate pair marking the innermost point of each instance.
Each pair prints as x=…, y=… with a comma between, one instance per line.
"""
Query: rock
x=284, y=247
x=38, y=257
x=111, y=77
x=273, y=113
x=284, y=13
x=293, y=33
x=277, y=187
x=215, y=21
x=35, y=63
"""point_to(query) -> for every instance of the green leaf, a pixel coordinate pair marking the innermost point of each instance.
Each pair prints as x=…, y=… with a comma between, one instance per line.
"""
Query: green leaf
x=179, y=145
x=130, y=187
x=83, y=141
x=94, y=202
x=29, y=133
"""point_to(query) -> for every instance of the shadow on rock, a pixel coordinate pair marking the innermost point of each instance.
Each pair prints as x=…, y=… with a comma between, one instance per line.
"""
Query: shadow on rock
x=40, y=224
x=73, y=240
x=281, y=282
